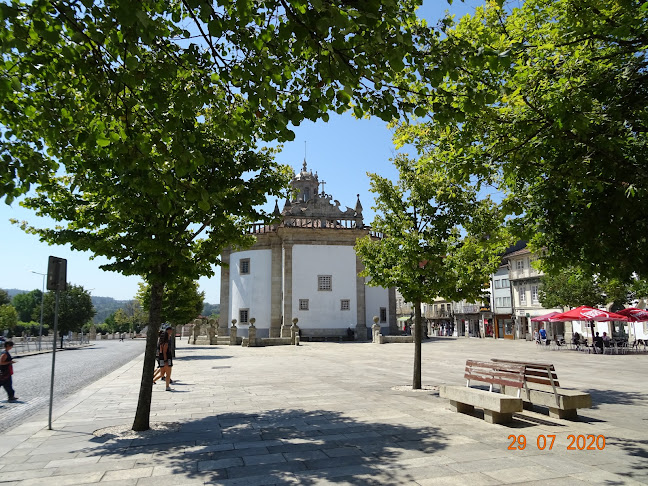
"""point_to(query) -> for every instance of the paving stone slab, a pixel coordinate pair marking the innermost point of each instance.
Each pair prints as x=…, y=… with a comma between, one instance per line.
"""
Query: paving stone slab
x=346, y=430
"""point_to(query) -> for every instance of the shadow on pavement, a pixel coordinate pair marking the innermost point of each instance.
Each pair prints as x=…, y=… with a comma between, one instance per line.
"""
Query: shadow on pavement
x=310, y=446
x=615, y=397
x=200, y=357
x=638, y=450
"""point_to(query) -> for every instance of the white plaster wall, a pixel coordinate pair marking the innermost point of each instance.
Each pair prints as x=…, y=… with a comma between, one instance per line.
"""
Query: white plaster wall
x=251, y=291
x=375, y=298
x=309, y=261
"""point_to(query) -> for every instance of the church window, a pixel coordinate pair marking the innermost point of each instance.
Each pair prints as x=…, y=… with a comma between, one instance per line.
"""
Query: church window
x=345, y=304
x=303, y=304
x=324, y=282
x=244, y=266
x=243, y=316
x=383, y=314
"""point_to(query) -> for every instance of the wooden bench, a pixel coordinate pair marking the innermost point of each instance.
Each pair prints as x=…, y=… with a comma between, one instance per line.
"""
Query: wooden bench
x=498, y=407
x=541, y=387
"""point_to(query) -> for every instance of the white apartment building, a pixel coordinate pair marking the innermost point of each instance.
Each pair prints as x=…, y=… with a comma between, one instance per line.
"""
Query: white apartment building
x=525, y=281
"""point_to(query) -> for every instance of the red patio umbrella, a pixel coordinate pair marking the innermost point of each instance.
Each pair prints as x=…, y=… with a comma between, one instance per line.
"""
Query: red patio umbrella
x=634, y=315
x=544, y=318
x=585, y=313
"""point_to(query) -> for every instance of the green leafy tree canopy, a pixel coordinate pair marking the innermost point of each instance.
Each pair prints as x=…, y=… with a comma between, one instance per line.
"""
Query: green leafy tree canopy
x=182, y=301
x=82, y=73
x=28, y=305
x=548, y=101
x=8, y=317
x=75, y=309
x=429, y=247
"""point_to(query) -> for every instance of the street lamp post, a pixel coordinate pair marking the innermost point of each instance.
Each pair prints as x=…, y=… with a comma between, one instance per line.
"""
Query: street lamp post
x=40, y=332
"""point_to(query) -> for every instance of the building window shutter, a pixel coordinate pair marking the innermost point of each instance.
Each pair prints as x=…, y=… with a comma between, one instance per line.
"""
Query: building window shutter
x=244, y=266
x=324, y=282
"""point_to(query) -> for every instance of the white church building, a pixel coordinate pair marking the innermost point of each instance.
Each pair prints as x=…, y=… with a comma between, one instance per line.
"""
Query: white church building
x=305, y=266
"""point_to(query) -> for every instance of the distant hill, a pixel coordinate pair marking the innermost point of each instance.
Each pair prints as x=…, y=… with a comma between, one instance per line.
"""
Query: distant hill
x=13, y=292
x=209, y=309
x=106, y=306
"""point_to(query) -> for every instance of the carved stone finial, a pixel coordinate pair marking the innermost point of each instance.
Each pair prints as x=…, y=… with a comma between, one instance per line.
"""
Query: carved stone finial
x=276, y=208
x=358, y=208
x=304, y=169
x=287, y=205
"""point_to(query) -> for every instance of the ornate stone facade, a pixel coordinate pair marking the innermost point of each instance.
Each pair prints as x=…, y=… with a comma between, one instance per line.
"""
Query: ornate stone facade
x=304, y=266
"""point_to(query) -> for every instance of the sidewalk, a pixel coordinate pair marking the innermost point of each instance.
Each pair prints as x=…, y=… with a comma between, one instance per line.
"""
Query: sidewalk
x=328, y=413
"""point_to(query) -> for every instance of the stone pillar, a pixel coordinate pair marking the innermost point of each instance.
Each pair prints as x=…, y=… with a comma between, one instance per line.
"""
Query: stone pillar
x=212, y=330
x=294, y=332
x=275, y=289
x=195, y=332
x=393, y=324
x=361, y=306
x=232, y=333
x=375, y=331
x=287, y=286
x=202, y=337
x=252, y=333
x=224, y=316
x=93, y=333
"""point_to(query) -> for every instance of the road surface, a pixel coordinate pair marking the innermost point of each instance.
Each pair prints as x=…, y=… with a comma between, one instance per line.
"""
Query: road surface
x=75, y=369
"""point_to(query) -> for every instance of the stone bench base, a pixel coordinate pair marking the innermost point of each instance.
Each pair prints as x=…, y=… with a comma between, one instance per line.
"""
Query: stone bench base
x=498, y=408
x=397, y=339
x=258, y=342
x=565, y=407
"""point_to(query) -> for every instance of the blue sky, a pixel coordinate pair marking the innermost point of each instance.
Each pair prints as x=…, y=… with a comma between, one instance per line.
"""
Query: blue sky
x=342, y=151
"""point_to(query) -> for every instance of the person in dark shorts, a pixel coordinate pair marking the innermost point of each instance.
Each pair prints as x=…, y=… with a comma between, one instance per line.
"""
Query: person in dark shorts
x=6, y=370
x=166, y=356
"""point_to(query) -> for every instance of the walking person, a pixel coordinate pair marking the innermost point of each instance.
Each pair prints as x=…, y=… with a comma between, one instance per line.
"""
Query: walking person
x=6, y=370
x=165, y=357
x=159, y=372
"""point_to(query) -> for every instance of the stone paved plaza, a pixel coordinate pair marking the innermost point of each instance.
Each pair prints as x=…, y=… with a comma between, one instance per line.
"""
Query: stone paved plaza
x=328, y=413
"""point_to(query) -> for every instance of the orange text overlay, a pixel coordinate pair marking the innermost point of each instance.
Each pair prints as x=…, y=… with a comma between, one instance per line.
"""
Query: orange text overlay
x=547, y=442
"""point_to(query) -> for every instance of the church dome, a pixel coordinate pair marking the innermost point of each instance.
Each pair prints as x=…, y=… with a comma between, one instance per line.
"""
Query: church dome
x=306, y=175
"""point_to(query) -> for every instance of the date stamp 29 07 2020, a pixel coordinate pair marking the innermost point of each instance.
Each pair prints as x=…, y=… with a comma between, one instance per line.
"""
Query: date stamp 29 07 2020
x=546, y=442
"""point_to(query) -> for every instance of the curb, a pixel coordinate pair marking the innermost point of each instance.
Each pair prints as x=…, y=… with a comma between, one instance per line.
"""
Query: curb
x=46, y=351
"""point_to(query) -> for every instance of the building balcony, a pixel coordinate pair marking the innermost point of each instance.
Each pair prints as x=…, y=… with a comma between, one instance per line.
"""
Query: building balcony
x=522, y=273
x=467, y=309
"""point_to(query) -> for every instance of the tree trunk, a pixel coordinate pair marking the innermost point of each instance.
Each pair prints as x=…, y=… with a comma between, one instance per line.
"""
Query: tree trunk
x=418, y=336
x=592, y=328
x=143, y=413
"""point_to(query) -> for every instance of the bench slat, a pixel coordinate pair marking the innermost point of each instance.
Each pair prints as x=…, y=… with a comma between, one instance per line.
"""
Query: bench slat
x=542, y=380
x=504, y=380
x=503, y=374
